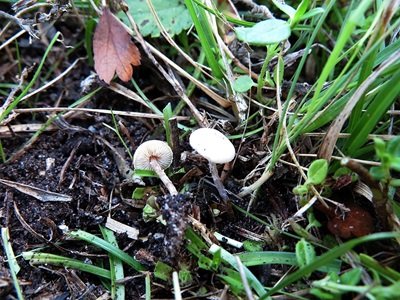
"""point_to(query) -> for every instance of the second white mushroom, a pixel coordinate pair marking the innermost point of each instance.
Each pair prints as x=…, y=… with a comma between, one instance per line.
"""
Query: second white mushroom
x=217, y=149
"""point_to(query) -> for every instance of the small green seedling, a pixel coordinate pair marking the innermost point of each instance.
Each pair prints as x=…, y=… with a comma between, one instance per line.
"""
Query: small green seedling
x=266, y=32
x=151, y=211
x=389, y=155
x=185, y=276
x=316, y=175
x=243, y=83
x=305, y=253
x=163, y=271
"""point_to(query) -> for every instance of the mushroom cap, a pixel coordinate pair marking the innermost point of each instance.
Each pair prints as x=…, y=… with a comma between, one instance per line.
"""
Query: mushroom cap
x=154, y=149
x=212, y=145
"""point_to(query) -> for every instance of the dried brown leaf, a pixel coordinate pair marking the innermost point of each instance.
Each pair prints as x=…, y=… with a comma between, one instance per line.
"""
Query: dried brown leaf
x=113, y=49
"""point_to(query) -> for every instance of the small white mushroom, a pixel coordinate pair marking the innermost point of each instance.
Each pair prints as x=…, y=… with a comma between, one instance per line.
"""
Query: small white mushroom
x=216, y=148
x=212, y=145
x=157, y=156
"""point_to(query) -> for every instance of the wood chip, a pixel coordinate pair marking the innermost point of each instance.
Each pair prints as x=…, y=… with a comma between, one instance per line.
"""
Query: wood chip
x=39, y=194
x=119, y=227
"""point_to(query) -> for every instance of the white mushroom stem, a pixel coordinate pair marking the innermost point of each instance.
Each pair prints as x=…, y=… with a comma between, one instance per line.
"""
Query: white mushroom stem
x=217, y=181
x=163, y=177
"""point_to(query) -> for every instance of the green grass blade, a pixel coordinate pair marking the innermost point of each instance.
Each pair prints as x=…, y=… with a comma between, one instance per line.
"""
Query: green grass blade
x=372, y=264
x=40, y=258
x=230, y=259
x=375, y=111
x=116, y=267
x=33, y=80
x=330, y=65
x=256, y=258
x=147, y=284
x=206, y=36
x=12, y=262
x=94, y=240
x=328, y=257
x=168, y=114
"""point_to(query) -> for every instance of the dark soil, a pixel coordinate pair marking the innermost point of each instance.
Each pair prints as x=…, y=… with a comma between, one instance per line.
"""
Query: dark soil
x=80, y=157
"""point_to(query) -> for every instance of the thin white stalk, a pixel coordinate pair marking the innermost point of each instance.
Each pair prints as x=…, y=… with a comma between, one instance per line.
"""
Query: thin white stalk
x=163, y=177
x=177, y=288
x=217, y=181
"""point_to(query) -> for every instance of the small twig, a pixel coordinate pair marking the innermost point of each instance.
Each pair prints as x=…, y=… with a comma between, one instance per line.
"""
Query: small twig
x=245, y=282
x=97, y=111
x=256, y=8
x=25, y=25
x=11, y=39
x=169, y=76
x=54, y=80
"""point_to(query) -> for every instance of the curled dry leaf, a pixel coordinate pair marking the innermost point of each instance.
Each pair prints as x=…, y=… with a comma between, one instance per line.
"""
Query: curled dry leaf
x=113, y=49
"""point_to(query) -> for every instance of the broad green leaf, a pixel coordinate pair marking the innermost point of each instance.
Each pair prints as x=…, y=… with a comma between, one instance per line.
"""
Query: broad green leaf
x=393, y=147
x=395, y=163
x=341, y=172
x=387, y=292
x=234, y=281
x=266, y=32
x=378, y=173
x=185, y=276
x=317, y=171
x=145, y=173
x=395, y=182
x=138, y=193
x=351, y=277
x=243, y=83
x=380, y=147
x=323, y=295
x=172, y=14
x=300, y=190
x=252, y=246
x=162, y=271
x=305, y=253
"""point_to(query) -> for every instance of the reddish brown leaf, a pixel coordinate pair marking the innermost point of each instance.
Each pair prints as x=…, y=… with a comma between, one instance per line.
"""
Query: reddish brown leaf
x=113, y=49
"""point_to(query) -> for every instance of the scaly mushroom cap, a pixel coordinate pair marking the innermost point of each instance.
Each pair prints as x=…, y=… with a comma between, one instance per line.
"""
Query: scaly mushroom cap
x=152, y=150
x=212, y=145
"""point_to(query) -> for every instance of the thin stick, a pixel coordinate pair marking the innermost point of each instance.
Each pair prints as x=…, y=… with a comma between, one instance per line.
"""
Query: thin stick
x=245, y=282
x=25, y=25
x=169, y=76
x=52, y=81
x=99, y=111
